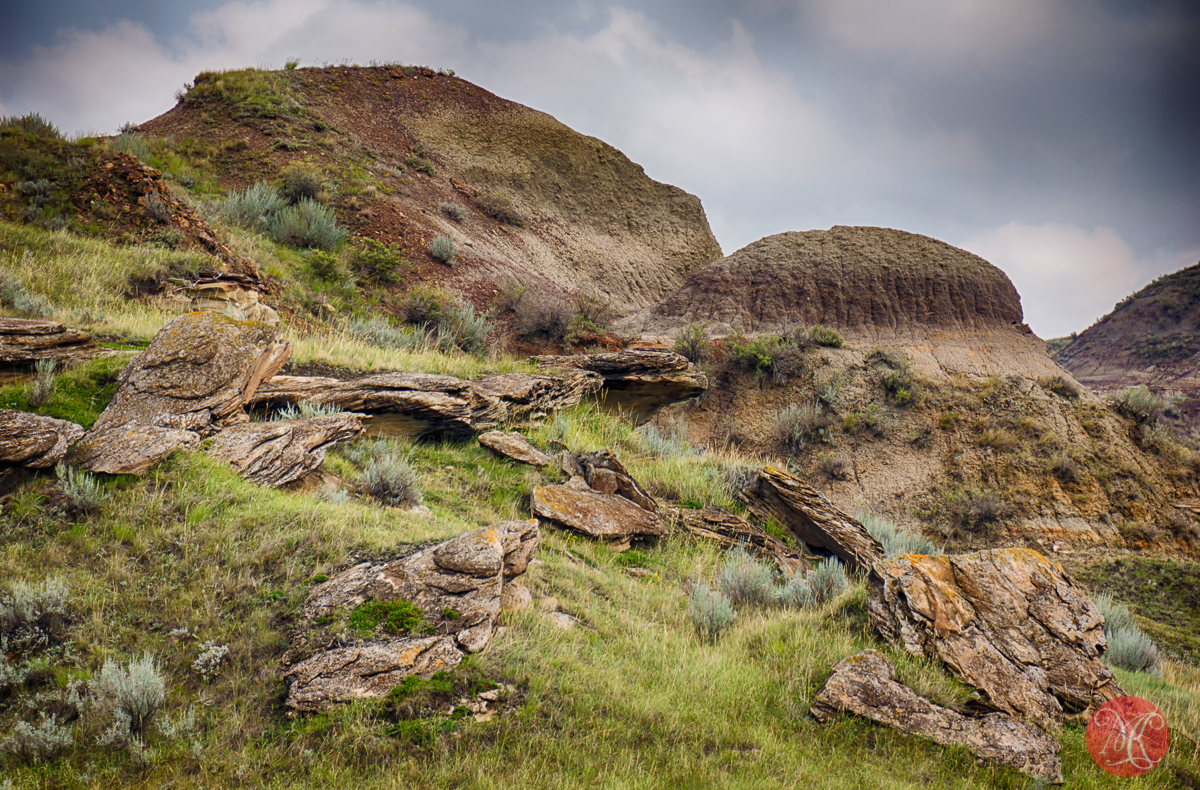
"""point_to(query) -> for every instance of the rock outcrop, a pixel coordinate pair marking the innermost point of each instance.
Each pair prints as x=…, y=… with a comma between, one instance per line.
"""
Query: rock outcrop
x=730, y=530
x=811, y=517
x=866, y=685
x=515, y=446
x=24, y=341
x=35, y=440
x=601, y=500
x=637, y=382
x=277, y=453
x=1007, y=621
x=534, y=396
x=228, y=296
x=194, y=378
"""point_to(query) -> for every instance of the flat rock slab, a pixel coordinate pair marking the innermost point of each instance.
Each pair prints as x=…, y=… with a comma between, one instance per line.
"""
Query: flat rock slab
x=366, y=671
x=604, y=516
x=515, y=446
x=35, y=440
x=637, y=382
x=277, y=453
x=1006, y=621
x=530, y=396
x=730, y=530
x=866, y=685
x=24, y=341
x=811, y=517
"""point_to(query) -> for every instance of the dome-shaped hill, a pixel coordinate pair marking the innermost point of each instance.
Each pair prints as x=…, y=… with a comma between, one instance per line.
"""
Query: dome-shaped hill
x=876, y=279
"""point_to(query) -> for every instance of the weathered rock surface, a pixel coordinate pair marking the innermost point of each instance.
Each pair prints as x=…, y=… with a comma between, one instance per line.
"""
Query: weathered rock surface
x=842, y=277
x=534, y=396
x=194, y=378
x=464, y=575
x=604, y=472
x=866, y=685
x=35, y=440
x=277, y=453
x=811, y=517
x=604, y=516
x=729, y=530
x=219, y=296
x=637, y=382
x=1007, y=621
x=515, y=446
x=24, y=341
x=366, y=671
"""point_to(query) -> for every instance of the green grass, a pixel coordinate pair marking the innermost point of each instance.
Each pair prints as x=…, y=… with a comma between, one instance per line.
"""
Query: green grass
x=81, y=394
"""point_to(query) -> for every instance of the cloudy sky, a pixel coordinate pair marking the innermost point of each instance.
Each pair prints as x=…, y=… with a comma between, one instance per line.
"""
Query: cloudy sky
x=1059, y=139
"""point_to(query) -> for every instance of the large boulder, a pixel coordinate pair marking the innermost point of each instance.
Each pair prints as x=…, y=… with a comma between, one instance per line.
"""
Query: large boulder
x=532, y=396
x=866, y=685
x=605, y=516
x=23, y=341
x=1006, y=621
x=194, y=378
x=637, y=382
x=277, y=453
x=35, y=440
x=811, y=517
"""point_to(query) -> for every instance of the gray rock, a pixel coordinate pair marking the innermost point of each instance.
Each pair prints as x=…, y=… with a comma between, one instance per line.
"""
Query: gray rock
x=604, y=516
x=637, y=382
x=24, y=341
x=515, y=446
x=277, y=453
x=35, y=440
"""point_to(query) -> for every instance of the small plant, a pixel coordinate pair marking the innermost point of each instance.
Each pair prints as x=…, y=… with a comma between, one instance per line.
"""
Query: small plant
x=44, y=384
x=1128, y=647
x=378, y=331
x=420, y=160
x=383, y=263
x=1064, y=467
x=209, y=660
x=895, y=540
x=442, y=249
x=132, y=143
x=306, y=224
x=465, y=329
x=1061, y=386
x=454, y=211
x=14, y=294
x=801, y=424
x=746, y=580
x=291, y=65
x=127, y=698
x=543, y=316
x=33, y=616
x=157, y=209
x=32, y=124
x=83, y=492
x=712, y=612
x=394, y=617
x=1143, y=406
x=38, y=744
x=392, y=479
x=299, y=182
x=827, y=580
x=251, y=208
x=824, y=336
x=975, y=508
x=499, y=207
x=836, y=466
x=692, y=342
x=303, y=410
x=425, y=304
x=512, y=294
x=668, y=442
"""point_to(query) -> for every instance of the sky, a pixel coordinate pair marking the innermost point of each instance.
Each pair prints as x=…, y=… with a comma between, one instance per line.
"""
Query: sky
x=1058, y=139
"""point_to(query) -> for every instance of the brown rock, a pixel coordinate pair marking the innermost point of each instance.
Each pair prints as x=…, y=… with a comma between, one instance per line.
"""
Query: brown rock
x=866, y=685
x=24, y=341
x=516, y=598
x=729, y=530
x=1007, y=621
x=603, y=516
x=232, y=296
x=811, y=517
x=277, y=453
x=605, y=473
x=637, y=382
x=515, y=446
x=366, y=671
x=532, y=397
x=35, y=440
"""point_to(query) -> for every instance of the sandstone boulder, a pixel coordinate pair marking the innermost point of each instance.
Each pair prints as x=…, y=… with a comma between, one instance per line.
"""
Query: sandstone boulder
x=534, y=396
x=232, y=296
x=604, y=472
x=730, y=530
x=811, y=517
x=24, y=341
x=1007, y=621
x=605, y=516
x=277, y=453
x=366, y=671
x=866, y=685
x=639, y=382
x=515, y=446
x=35, y=440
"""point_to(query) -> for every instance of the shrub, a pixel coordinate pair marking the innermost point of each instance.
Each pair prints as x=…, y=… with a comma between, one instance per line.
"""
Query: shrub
x=158, y=210
x=974, y=508
x=392, y=479
x=325, y=265
x=37, y=744
x=251, y=208
x=836, y=466
x=419, y=160
x=666, y=442
x=453, y=210
x=31, y=123
x=800, y=424
x=867, y=421
x=512, y=295
x=499, y=207
x=209, y=660
x=45, y=382
x=1061, y=386
x=378, y=331
x=597, y=312
x=303, y=410
x=1128, y=647
x=442, y=249
x=33, y=616
x=1064, y=468
x=692, y=342
x=998, y=439
x=382, y=262
x=712, y=613
x=895, y=541
x=130, y=143
x=1142, y=405
x=746, y=580
x=901, y=387
x=83, y=492
x=127, y=698
x=461, y=327
x=827, y=580
x=13, y=294
x=299, y=182
x=543, y=315
x=306, y=224
x=393, y=617
x=824, y=336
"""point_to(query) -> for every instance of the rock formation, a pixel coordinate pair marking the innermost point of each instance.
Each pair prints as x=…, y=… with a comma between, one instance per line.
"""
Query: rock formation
x=1006, y=621
x=23, y=341
x=458, y=586
x=729, y=530
x=811, y=517
x=277, y=453
x=232, y=296
x=866, y=685
x=515, y=446
x=534, y=396
x=195, y=377
x=637, y=382
x=34, y=440
x=601, y=500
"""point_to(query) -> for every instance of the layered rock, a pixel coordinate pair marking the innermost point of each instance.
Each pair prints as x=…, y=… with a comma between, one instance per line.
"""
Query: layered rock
x=731, y=531
x=25, y=341
x=277, y=453
x=195, y=377
x=515, y=446
x=866, y=685
x=636, y=382
x=811, y=517
x=534, y=396
x=35, y=440
x=608, y=517
x=228, y=296
x=1007, y=621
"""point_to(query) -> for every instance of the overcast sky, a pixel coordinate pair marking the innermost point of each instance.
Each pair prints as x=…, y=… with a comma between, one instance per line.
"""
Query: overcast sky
x=1059, y=139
